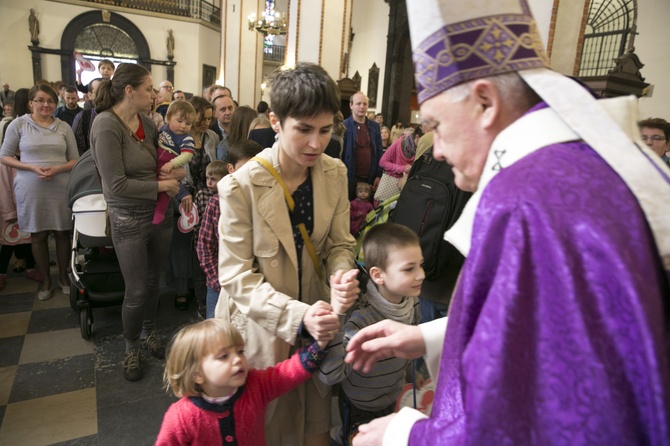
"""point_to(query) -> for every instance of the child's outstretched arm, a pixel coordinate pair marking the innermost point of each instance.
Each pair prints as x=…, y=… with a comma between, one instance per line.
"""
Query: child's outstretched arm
x=288, y=374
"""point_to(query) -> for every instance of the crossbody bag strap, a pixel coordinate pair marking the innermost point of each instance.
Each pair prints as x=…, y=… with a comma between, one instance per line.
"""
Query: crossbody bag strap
x=291, y=206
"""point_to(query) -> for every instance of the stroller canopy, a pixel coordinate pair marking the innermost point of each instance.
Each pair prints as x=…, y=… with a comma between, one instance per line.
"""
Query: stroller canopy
x=84, y=179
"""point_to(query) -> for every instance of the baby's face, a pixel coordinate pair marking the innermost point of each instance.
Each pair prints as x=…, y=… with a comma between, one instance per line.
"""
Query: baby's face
x=362, y=194
x=180, y=124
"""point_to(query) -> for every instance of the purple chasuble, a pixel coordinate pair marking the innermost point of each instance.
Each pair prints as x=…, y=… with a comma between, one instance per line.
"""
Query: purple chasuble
x=556, y=330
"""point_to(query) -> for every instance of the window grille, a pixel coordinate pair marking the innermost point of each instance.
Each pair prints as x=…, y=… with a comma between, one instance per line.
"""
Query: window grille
x=608, y=29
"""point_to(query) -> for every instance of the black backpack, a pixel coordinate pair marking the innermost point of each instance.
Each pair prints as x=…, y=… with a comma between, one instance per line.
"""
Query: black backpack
x=429, y=204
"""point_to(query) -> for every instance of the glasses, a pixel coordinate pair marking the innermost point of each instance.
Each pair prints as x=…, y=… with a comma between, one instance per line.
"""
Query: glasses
x=42, y=101
x=167, y=87
x=655, y=138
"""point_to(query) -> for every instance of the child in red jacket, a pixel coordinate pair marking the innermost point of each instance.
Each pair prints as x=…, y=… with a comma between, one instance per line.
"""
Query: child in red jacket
x=222, y=400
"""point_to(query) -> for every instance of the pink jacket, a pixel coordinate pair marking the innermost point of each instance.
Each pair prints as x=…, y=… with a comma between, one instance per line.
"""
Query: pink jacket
x=393, y=161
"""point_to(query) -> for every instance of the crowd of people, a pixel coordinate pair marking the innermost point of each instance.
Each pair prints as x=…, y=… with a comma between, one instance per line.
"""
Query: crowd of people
x=558, y=321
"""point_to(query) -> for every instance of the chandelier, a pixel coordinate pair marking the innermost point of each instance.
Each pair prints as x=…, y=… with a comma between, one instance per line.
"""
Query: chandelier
x=270, y=22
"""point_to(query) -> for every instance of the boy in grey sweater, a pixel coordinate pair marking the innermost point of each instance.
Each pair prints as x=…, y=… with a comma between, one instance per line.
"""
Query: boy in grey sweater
x=394, y=262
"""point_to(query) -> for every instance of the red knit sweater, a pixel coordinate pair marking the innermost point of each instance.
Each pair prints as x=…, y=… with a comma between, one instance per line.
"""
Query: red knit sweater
x=240, y=420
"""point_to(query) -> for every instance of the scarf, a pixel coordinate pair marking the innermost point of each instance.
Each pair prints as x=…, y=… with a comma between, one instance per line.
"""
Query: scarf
x=408, y=146
x=402, y=312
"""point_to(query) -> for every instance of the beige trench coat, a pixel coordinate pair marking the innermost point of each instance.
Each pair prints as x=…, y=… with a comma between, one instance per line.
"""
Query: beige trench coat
x=258, y=266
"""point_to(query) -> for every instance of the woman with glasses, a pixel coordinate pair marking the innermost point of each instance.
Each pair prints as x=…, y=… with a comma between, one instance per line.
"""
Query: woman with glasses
x=48, y=151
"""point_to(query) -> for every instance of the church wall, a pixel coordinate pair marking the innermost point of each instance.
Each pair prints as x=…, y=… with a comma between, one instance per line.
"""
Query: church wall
x=651, y=45
x=242, y=52
x=370, y=21
x=194, y=44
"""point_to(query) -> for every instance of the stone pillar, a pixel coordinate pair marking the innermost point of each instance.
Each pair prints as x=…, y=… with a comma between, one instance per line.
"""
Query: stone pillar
x=242, y=51
x=319, y=32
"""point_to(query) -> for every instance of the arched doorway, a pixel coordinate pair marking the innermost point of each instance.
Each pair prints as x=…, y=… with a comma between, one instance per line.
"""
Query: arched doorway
x=102, y=35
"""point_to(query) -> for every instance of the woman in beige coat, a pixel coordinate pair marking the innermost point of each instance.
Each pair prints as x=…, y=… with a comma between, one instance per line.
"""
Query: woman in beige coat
x=271, y=288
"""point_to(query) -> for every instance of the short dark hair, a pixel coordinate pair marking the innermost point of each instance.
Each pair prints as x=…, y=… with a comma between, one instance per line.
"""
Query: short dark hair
x=70, y=89
x=106, y=62
x=381, y=239
x=262, y=107
x=305, y=90
x=656, y=123
x=243, y=150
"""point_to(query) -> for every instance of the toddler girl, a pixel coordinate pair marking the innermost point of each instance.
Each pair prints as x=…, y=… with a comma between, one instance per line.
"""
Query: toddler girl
x=360, y=206
x=222, y=400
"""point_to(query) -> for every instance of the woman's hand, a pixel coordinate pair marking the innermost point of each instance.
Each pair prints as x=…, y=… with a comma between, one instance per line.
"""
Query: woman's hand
x=321, y=322
x=175, y=174
x=187, y=203
x=344, y=290
x=43, y=173
x=171, y=187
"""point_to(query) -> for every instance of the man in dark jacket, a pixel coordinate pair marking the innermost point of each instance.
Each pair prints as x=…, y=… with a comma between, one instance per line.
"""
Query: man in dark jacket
x=362, y=145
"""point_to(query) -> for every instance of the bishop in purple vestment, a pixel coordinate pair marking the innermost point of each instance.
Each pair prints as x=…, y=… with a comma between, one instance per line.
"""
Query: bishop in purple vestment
x=558, y=329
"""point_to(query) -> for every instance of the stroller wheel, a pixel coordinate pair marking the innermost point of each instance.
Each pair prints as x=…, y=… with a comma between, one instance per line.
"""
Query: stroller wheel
x=85, y=321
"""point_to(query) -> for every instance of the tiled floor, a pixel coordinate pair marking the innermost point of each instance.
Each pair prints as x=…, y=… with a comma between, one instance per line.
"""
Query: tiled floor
x=57, y=388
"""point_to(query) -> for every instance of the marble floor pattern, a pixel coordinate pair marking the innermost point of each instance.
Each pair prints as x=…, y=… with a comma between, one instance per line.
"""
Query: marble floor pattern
x=58, y=389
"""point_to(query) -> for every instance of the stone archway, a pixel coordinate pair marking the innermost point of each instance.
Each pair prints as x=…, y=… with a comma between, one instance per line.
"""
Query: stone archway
x=105, y=34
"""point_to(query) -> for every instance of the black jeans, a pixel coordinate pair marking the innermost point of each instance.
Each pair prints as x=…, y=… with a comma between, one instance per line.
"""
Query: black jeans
x=141, y=248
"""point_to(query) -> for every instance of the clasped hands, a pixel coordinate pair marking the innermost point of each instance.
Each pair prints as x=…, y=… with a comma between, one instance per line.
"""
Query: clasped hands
x=322, y=319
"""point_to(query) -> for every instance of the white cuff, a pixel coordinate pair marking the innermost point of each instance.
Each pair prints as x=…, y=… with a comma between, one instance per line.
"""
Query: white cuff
x=398, y=430
x=433, y=336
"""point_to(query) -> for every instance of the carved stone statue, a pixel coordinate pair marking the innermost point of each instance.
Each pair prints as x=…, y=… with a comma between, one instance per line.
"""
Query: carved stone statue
x=170, y=44
x=34, y=26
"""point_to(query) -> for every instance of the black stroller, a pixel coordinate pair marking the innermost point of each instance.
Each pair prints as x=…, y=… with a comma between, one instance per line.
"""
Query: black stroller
x=95, y=276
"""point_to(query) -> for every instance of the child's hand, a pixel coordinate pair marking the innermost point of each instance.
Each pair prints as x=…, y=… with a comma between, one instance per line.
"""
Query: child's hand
x=167, y=168
x=343, y=290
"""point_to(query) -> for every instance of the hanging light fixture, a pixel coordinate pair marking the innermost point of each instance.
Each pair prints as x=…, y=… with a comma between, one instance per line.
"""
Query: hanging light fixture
x=270, y=22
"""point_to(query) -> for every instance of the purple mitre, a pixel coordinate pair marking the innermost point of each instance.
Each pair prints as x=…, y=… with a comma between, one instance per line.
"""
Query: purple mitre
x=452, y=44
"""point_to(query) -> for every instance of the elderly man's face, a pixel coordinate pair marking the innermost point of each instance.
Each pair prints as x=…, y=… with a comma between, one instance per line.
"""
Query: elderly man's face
x=459, y=137
x=165, y=91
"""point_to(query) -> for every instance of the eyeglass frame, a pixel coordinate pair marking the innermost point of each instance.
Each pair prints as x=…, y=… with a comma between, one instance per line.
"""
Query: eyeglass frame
x=654, y=138
x=42, y=101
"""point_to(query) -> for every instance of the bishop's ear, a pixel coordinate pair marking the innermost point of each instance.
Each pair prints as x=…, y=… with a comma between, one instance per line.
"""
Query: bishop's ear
x=487, y=96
